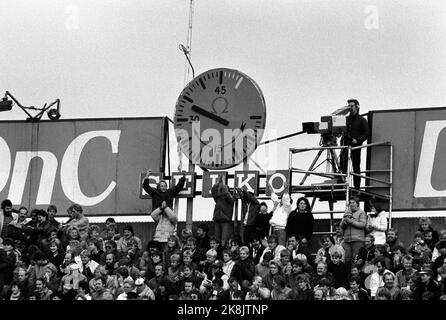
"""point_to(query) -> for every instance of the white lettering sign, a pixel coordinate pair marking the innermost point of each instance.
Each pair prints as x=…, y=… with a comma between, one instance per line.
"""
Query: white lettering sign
x=69, y=177
x=423, y=183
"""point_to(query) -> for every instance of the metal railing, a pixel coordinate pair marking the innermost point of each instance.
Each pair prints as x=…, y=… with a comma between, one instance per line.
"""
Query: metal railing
x=343, y=180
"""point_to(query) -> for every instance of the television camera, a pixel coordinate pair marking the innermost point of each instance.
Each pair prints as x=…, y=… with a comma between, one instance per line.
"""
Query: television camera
x=330, y=127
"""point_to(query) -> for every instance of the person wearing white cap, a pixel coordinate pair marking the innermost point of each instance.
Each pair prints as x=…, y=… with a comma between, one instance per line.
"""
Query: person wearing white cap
x=143, y=290
x=71, y=280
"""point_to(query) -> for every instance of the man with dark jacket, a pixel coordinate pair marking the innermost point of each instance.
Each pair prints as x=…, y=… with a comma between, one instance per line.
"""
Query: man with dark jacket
x=262, y=221
x=198, y=254
x=244, y=269
x=339, y=271
x=366, y=253
x=256, y=249
x=203, y=240
x=250, y=209
x=43, y=229
x=223, y=210
x=357, y=132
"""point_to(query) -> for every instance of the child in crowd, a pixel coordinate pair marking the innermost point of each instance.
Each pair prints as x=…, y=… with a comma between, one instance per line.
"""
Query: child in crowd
x=228, y=262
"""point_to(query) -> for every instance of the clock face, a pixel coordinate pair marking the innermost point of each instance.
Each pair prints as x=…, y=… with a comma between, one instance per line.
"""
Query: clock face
x=219, y=118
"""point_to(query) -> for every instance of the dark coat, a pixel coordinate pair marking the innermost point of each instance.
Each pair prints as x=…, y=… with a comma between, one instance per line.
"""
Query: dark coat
x=203, y=243
x=300, y=224
x=357, y=128
x=198, y=255
x=262, y=224
x=18, y=233
x=250, y=207
x=306, y=294
x=340, y=273
x=361, y=295
x=158, y=197
x=224, y=203
x=7, y=265
x=56, y=260
x=256, y=258
x=429, y=287
x=243, y=270
x=44, y=229
x=366, y=254
x=314, y=281
x=437, y=264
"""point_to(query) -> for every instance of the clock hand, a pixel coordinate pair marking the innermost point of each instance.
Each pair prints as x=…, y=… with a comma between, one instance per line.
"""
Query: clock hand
x=209, y=115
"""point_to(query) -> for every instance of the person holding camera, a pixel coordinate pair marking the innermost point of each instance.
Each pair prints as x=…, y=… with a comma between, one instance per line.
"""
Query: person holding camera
x=357, y=132
x=353, y=223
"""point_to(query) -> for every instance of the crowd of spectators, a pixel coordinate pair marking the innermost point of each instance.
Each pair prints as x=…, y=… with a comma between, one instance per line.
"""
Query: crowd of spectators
x=42, y=259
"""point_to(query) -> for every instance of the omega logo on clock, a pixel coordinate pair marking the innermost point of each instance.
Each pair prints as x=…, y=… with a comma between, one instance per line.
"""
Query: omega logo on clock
x=220, y=118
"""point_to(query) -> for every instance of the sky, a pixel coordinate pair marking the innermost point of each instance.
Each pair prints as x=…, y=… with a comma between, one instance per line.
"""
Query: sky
x=111, y=58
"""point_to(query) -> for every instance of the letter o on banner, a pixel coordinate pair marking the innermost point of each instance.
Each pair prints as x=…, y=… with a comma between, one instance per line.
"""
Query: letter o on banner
x=275, y=181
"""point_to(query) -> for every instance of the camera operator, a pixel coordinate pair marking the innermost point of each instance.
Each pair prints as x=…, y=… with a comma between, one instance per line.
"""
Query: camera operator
x=357, y=132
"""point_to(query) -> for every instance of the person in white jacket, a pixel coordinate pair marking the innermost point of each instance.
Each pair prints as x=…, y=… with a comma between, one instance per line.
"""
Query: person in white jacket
x=281, y=211
x=377, y=223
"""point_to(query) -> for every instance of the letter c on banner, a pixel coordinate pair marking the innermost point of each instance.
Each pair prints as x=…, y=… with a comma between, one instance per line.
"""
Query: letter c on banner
x=69, y=177
x=423, y=185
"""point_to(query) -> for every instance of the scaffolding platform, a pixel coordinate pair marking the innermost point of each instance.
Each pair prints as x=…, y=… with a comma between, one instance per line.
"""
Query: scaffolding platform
x=336, y=192
x=339, y=186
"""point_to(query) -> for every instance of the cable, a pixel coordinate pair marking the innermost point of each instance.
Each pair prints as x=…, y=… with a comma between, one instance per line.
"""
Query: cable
x=281, y=138
x=186, y=54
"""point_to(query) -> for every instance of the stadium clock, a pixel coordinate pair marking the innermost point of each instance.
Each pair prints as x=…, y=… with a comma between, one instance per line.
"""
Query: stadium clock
x=220, y=118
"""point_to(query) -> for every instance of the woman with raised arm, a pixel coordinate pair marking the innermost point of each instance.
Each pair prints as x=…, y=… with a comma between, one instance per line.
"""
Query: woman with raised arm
x=281, y=211
x=162, y=204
